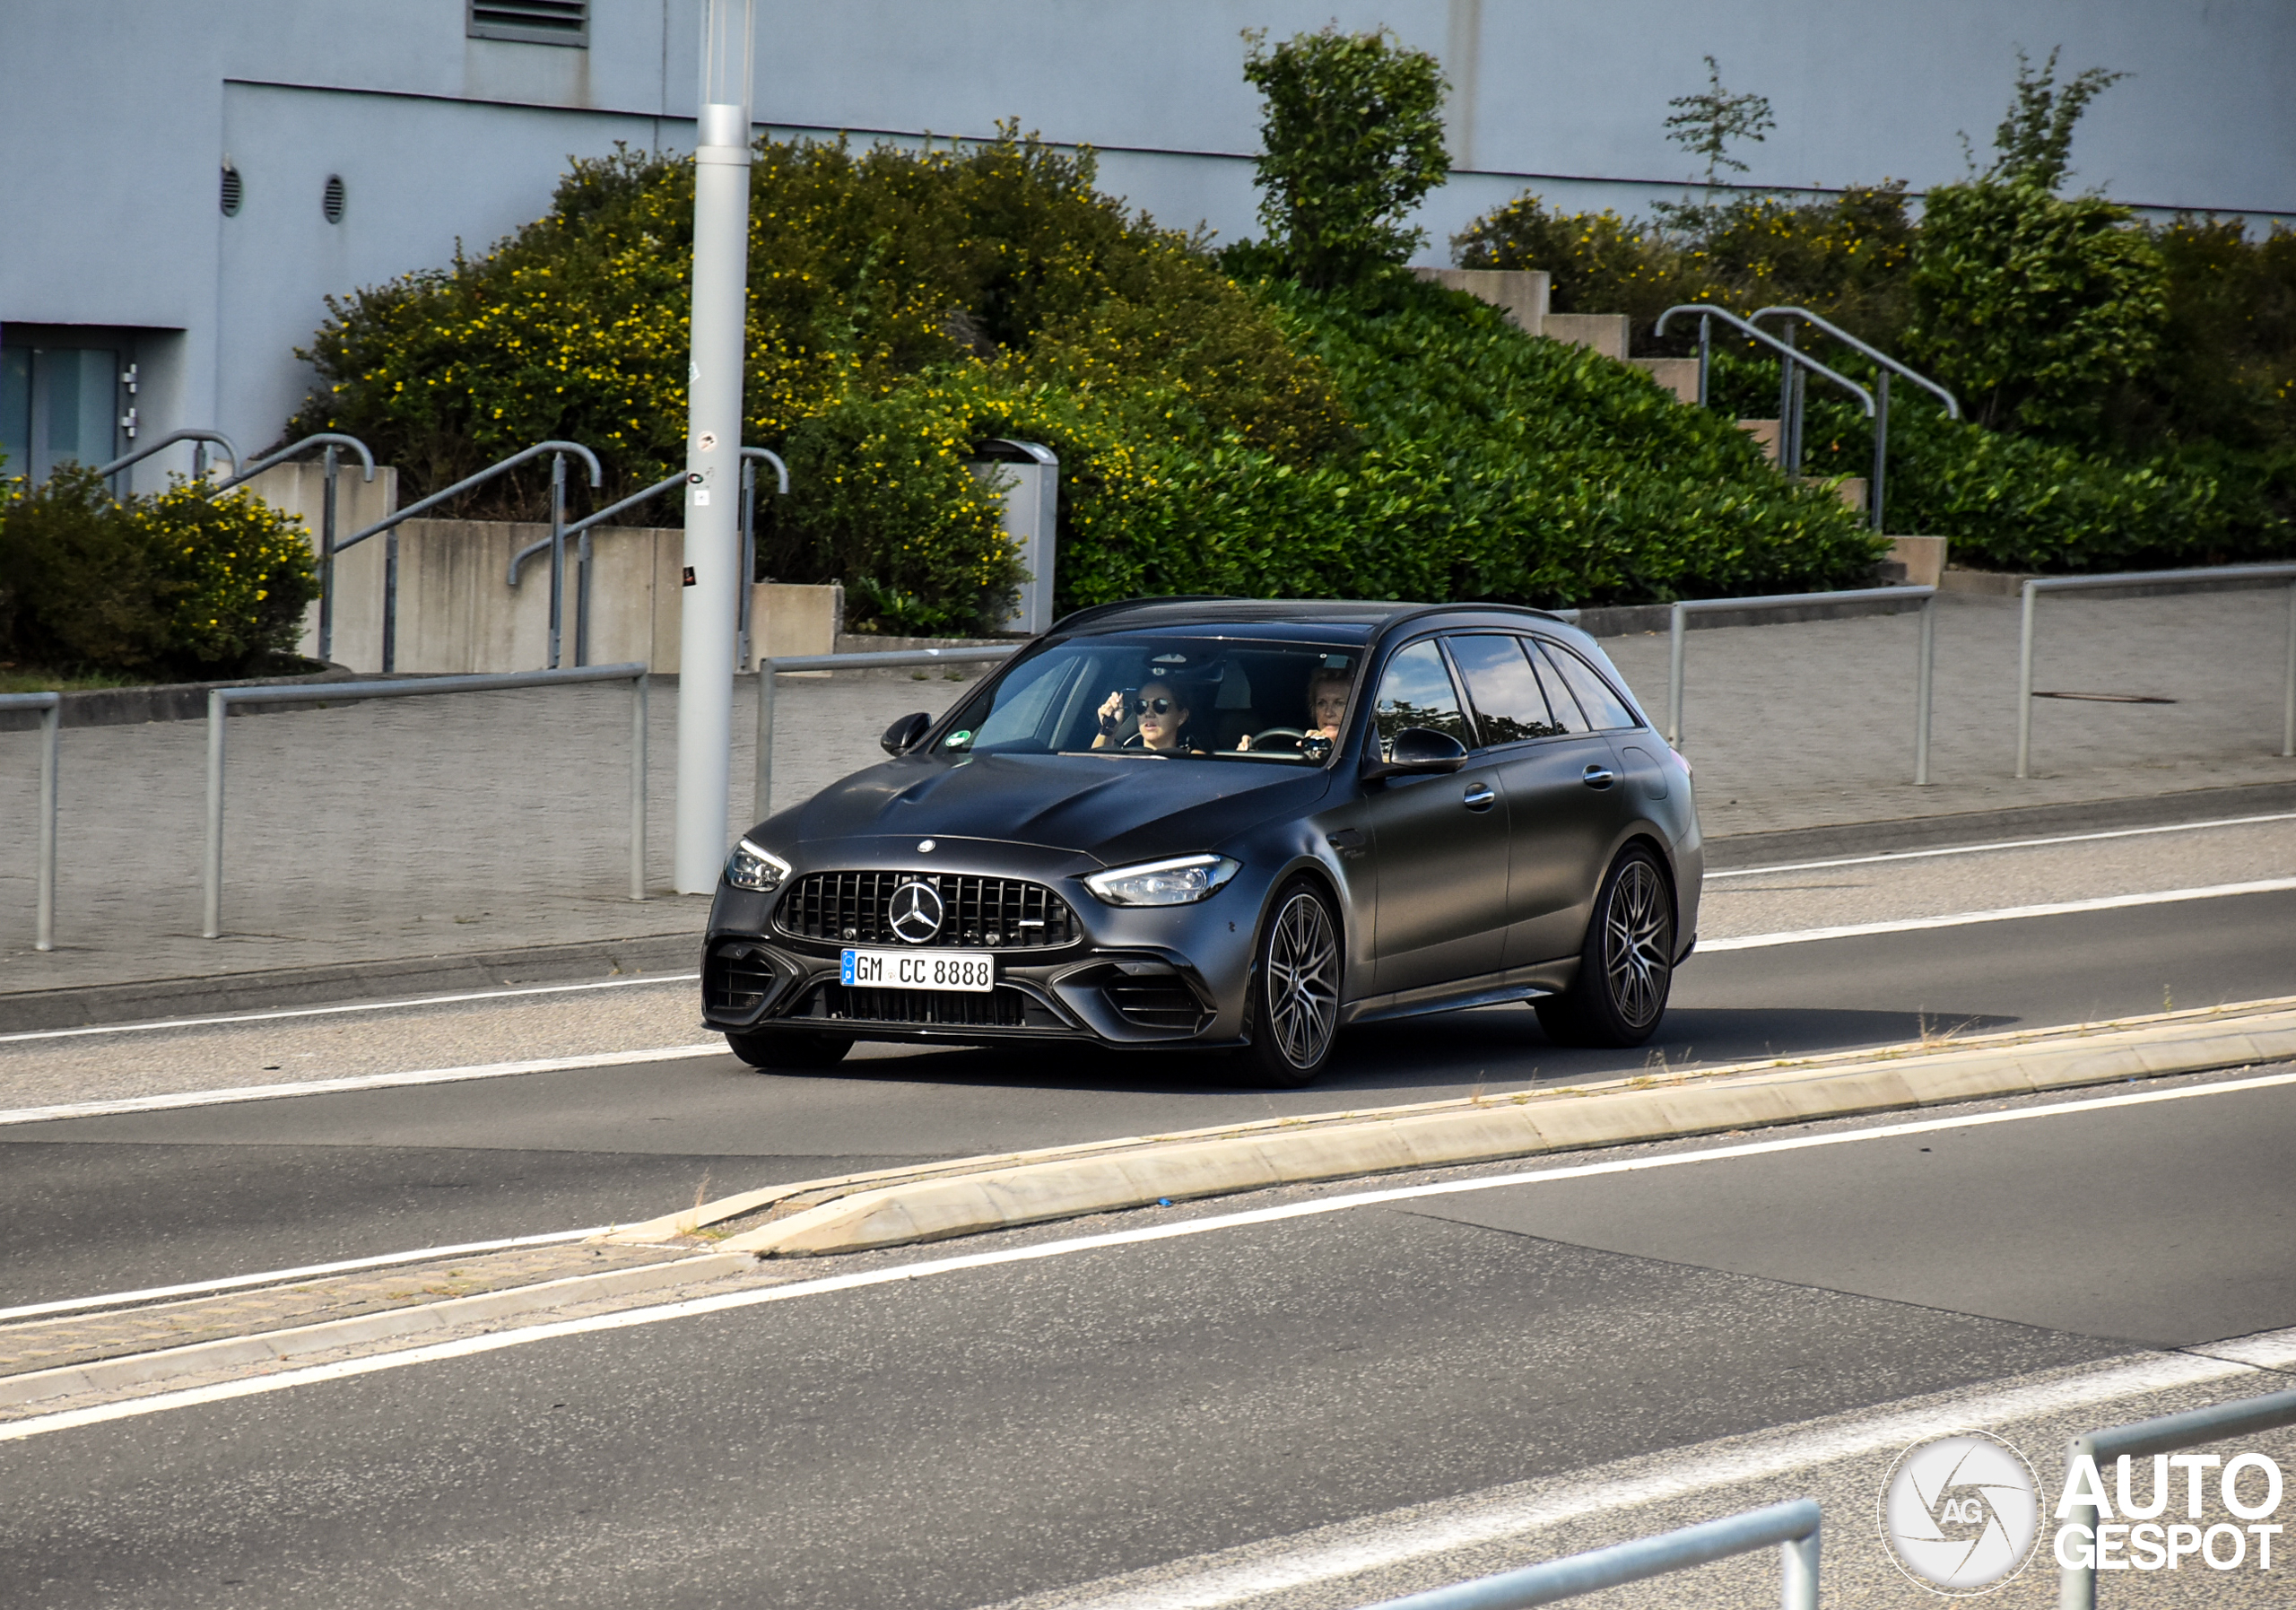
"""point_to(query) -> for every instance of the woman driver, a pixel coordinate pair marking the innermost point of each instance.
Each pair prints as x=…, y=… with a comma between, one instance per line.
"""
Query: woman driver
x=1163, y=714
x=1326, y=704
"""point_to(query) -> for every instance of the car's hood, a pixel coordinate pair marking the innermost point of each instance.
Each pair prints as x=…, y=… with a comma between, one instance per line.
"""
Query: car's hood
x=1112, y=808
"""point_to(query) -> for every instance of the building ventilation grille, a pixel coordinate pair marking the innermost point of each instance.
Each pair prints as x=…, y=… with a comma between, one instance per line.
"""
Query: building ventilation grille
x=234, y=192
x=532, y=21
x=331, y=201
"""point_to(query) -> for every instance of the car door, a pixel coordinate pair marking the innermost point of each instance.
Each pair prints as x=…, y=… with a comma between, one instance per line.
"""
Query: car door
x=1566, y=804
x=1441, y=842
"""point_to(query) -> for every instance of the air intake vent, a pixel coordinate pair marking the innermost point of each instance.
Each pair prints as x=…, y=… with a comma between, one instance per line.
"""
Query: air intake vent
x=532, y=21
x=234, y=191
x=331, y=199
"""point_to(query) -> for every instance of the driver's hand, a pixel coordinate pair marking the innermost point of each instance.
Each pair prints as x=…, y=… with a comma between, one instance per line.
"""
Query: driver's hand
x=1112, y=711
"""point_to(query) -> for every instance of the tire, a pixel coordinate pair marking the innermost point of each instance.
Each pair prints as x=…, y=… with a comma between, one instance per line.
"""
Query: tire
x=1295, y=988
x=1626, y=970
x=786, y=1049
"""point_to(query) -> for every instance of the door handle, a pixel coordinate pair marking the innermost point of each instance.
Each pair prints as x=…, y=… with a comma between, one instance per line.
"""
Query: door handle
x=1598, y=776
x=1478, y=796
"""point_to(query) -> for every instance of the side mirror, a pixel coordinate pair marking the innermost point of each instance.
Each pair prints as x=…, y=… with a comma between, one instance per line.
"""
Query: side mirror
x=1419, y=751
x=902, y=736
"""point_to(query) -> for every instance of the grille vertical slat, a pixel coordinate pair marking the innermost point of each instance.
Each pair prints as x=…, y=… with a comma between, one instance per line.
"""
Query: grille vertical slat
x=854, y=907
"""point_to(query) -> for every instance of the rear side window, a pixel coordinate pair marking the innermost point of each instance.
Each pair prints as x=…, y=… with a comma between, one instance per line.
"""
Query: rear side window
x=1603, y=709
x=1510, y=705
x=1417, y=691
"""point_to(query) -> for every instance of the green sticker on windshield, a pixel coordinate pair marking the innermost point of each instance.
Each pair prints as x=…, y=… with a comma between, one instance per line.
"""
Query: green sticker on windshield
x=956, y=738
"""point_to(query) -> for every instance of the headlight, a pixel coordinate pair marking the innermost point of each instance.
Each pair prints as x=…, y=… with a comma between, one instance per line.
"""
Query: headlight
x=750, y=867
x=1178, y=881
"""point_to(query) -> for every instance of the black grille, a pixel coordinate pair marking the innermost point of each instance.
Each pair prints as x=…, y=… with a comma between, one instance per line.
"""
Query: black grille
x=735, y=979
x=1001, y=1008
x=852, y=908
x=531, y=22
x=1155, y=1003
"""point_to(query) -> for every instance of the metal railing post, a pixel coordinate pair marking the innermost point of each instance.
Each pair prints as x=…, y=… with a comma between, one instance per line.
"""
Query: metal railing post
x=211, y=925
x=557, y=553
x=1705, y=357
x=1786, y=458
x=2076, y=1585
x=1881, y=451
x=746, y=590
x=390, y=602
x=50, y=705
x=1925, y=681
x=2026, y=681
x=326, y=557
x=1674, y=673
x=762, y=785
x=2288, y=692
x=638, y=690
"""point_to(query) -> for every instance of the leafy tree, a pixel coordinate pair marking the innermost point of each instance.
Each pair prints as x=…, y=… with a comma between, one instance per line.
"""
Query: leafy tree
x=1705, y=124
x=1352, y=127
x=2035, y=140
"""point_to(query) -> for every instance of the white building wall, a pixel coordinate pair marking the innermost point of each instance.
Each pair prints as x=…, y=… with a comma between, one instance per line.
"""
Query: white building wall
x=118, y=114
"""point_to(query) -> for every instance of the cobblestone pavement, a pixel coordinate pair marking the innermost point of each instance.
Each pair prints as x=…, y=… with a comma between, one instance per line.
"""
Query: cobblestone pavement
x=496, y=821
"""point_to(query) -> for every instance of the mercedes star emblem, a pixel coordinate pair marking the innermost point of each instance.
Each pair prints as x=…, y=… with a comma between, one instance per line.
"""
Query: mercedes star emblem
x=916, y=914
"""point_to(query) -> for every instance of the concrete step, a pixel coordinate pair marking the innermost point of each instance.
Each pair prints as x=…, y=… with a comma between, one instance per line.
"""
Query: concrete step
x=1677, y=375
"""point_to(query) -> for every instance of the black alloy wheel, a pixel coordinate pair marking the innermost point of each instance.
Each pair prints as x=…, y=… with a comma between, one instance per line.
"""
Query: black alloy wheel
x=1295, y=988
x=1627, y=967
x=786, y=1049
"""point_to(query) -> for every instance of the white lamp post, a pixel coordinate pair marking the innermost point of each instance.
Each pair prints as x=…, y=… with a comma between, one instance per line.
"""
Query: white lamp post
x=721, y=233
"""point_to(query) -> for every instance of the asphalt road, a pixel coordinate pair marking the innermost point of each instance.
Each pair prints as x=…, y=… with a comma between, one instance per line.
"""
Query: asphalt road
x=115, y=1203
x=1021, y=1429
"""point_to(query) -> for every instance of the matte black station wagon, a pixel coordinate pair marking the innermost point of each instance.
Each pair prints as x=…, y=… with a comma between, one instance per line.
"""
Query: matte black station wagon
x=1219, y=823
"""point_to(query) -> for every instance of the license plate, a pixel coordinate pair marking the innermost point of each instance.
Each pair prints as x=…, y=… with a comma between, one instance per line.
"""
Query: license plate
x=920, y=970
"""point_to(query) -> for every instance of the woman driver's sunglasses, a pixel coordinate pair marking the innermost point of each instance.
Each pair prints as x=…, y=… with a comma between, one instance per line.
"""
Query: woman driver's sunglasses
x=1141, y=706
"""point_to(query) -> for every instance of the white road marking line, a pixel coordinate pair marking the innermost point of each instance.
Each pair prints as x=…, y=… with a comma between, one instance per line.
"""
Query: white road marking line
x=279, y=1276
x=1406, y=1537
x=1980, y=849
x=730, y=1302
x=161, y=1024
x=1910, y=925
x=324, y=1087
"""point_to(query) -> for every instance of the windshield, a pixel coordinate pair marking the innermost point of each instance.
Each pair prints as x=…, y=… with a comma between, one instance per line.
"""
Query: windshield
x=1175, y=697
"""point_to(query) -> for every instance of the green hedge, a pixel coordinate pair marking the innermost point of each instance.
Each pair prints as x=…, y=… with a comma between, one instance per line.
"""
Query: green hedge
x=175, y=584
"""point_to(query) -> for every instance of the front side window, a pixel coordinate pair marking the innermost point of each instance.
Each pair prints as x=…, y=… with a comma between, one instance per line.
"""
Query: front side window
x=1509, y=705
x=1605, y=709
x=1417, y=691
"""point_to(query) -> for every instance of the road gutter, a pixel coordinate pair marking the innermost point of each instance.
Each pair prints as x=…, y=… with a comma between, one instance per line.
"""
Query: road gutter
x=975, y=1196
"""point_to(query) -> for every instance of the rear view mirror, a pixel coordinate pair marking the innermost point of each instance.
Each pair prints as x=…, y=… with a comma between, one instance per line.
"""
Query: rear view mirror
x=1419, y=751
x=902, y=736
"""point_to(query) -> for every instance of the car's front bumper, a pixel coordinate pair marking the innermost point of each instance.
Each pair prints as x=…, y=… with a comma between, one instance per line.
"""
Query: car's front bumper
x=1133, y=977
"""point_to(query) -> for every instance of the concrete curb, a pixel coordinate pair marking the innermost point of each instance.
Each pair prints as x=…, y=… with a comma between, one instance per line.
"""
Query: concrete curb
x=265, y=1347
x=974, y=1196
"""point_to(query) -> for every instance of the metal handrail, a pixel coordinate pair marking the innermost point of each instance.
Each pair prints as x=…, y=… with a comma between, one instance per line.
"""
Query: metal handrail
x=322, y=438
x=556, y=543
x=50, y=705
x=2076, y=1585
x=2038, y=585
x=390, y=524
x=1793, y=1527
x=762, y=793
x=1952, y=404
x=1792, y=354
x=198, y=456
x=746, y=593
x=1926, y=653
x=220, y=701
x=332, y=442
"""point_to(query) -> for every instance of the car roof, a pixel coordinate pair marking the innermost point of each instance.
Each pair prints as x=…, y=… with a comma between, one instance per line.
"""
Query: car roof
x=1353, y=619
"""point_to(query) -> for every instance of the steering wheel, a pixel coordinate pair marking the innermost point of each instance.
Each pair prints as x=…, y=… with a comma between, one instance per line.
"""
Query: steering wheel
x=1292, y=732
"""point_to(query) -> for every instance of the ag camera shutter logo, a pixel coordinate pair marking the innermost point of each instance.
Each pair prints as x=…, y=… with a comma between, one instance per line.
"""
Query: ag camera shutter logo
x=1962, y=1513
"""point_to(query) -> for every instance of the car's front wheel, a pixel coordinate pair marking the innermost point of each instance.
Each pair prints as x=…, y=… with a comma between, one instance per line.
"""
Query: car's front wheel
x=786, y=1049
x=1295, y=988
x=1626, y=970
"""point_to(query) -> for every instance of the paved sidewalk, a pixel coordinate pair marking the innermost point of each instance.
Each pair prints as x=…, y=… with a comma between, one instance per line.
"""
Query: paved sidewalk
x=493, y=822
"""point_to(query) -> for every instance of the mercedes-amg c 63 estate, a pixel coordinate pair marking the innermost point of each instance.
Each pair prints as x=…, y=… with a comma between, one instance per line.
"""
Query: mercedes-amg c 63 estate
x=1217, y=823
